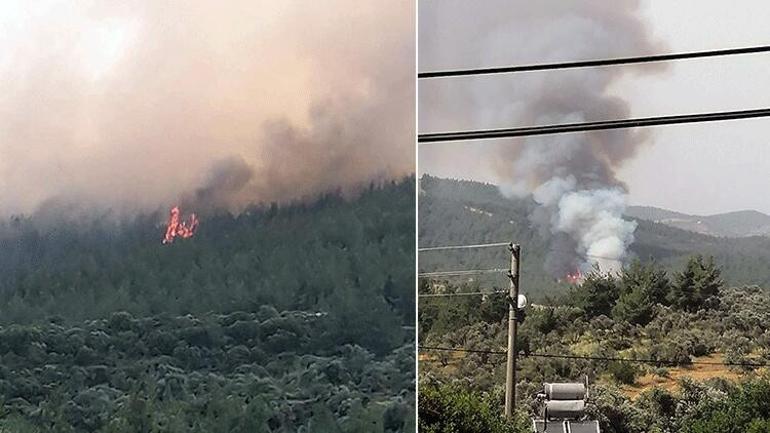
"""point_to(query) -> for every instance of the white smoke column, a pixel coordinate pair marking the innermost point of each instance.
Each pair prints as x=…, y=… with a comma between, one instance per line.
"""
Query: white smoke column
x=572, y=176
x=593, y=218
x=581, y=203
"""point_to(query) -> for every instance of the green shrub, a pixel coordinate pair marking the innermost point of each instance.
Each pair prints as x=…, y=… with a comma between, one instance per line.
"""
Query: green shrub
x=623, y=372
x=453, y=409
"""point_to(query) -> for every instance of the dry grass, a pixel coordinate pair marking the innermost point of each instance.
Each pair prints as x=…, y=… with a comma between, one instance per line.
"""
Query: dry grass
x=447, y=361
x=698, y=372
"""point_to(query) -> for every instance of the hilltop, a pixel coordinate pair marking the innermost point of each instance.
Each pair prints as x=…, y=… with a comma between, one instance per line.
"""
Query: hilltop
x=741, y=223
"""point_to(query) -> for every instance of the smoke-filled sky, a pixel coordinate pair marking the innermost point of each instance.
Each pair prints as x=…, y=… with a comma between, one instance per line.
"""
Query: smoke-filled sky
x=136, y=105
x=706, y=168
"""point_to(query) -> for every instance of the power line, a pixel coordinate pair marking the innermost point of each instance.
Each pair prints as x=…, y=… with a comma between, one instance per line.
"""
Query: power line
x=501, y=244
x=493, y=134
x=645, y=361
x=451, y=349
x=461, y=247
x=598, y=358
x=460, y=273
x=449, y=295
x=594, y=63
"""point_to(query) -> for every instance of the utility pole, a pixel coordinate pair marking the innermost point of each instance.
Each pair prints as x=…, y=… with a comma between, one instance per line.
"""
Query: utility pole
x=513, y=307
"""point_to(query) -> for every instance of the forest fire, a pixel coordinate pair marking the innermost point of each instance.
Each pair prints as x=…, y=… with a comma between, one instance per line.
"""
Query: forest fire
x=176, y=227
x=574, y=277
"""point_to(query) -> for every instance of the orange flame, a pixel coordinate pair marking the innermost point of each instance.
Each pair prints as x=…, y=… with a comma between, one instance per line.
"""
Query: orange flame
x=175, y=227
x=575, y=277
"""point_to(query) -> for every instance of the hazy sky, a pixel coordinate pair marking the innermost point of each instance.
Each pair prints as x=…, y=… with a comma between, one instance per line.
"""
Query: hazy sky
x=705, y=168
x=138, y=104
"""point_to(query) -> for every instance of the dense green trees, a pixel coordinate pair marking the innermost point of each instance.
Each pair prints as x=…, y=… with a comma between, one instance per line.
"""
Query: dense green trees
x=341, y=257
x=744, y=409
x=708, y=407
x=729, y=325
x=281, y=319
x=453, y=409
x=209, y=373
x=633, y=294
x=596, y=296
x=641, y=286
x=697, y=285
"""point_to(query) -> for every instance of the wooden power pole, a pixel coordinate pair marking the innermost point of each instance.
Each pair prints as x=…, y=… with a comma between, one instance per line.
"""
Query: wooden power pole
x=510, y=377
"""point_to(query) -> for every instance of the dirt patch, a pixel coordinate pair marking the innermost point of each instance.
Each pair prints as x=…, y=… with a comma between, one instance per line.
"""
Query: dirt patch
x=698, y=372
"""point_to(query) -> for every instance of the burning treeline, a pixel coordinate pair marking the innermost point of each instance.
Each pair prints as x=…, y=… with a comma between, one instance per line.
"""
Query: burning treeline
x=178, y=227
x=572, y=177
x=135, y=108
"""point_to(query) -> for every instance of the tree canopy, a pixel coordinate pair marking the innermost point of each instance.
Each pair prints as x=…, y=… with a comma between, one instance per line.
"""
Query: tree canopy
x=291, y=318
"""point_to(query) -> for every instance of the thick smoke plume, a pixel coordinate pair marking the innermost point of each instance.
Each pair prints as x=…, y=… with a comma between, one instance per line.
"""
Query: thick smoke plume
x=571, y=176
x=137, y=105
x=591, y=218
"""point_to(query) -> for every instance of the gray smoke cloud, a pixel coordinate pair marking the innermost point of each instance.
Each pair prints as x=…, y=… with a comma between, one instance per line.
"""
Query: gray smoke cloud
x=111, y=105
x=571, y=176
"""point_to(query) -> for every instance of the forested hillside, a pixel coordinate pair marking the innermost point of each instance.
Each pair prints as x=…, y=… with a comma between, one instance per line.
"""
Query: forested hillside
x=280, y=319
x=465, y=212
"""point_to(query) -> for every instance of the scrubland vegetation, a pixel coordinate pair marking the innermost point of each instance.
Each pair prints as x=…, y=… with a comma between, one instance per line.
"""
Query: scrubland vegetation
x=292, y=318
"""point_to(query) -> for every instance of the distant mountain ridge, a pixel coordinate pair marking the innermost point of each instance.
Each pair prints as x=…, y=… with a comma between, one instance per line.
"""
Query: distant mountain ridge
x=730, y=224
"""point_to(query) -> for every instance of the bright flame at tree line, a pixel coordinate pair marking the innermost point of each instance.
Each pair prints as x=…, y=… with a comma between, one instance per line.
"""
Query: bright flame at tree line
x=175, y=227
x=575, y=277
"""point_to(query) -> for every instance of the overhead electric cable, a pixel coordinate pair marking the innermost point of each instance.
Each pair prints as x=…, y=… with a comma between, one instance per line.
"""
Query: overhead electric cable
x=595, y=63
x=451, y=349
x=492, y=134
x=460, y=273
x=502, y=244
x=449, y=295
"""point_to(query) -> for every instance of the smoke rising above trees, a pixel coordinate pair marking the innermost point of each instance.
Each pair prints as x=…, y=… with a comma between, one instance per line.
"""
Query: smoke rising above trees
x=571, y=176
x=134, y=108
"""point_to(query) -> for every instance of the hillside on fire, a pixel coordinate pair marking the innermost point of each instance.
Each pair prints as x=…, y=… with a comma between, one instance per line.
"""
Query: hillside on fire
x=675, y=340
x=454, y=212
x=281, y=318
